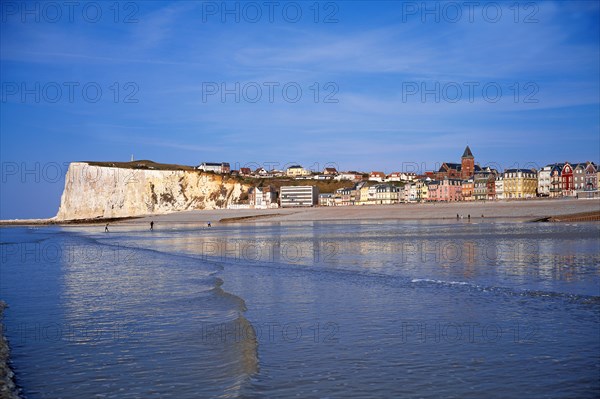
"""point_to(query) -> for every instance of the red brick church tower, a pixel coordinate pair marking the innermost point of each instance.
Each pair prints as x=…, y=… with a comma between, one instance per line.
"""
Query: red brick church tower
x=467, y=169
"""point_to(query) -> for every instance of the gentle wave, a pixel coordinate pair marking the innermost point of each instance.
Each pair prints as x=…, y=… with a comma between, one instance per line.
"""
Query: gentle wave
x=587, y=299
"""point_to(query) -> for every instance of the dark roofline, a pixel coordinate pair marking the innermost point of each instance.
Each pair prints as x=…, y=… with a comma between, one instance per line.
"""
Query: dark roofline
x=520, y=170
x=467, y=153
x=215, y=163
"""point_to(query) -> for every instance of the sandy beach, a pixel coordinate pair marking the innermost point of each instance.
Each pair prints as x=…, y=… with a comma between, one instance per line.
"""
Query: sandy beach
x=526, y=210
x=513, y=210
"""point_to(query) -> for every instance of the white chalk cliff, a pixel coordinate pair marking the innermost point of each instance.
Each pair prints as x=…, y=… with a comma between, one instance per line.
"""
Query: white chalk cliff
x=108, y=192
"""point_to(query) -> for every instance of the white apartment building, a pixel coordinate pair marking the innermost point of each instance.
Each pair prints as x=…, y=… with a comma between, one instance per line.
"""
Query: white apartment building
x=293, y=196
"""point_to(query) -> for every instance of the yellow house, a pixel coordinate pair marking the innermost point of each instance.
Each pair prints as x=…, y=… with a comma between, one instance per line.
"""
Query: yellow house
x=364, y=195
x=297, y=170
x=422, y=190
x=520, y=183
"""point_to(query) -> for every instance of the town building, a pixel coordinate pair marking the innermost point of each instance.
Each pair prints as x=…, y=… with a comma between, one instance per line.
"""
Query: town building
x=297, y=170
x=463, y=170
x=262, y=197
x=326, y=199
x=449, y=190
x=587, y=187
x=584, y=177
x=491, y=187
x=544, y=180
x=245, y=171
x=556, y=181
x=402, y=193
x=386, y=194
x=319, y=177
x=347, y=196
x=410, y=192
x=467, y=190
x=591, y=176
x=467, y=164
x=520, y=183
x=377, y=176
x=433, y=191
x=422, y=189
x=499, y=186
x=484, y=185
x=262, y=172
x=567, y=181
x=367, y=194
x=579, y=176
x=296, y=196
x=401, y=177
x=353, y=176
x=330, y=171
x=221, y=168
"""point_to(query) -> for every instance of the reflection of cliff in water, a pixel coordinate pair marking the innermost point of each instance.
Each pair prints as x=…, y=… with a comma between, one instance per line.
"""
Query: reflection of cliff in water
x=153, y=317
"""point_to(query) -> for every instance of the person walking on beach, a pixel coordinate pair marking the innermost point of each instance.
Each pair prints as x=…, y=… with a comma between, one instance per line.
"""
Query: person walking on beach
x=208, y=224
x=469, y=216
x=106, y=228
x=457, y=217
x=152, y=225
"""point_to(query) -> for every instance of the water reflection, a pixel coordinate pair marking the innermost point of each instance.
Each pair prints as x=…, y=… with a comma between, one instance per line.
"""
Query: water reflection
x=565, y=258
x=103, y=321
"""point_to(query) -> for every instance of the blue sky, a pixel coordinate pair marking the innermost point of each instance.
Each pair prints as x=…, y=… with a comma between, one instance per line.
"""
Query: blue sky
x=375, y=58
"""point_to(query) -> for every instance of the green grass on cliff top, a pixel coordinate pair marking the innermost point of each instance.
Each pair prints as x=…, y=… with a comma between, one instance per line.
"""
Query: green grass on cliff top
x=324, y=186
x=142, y=164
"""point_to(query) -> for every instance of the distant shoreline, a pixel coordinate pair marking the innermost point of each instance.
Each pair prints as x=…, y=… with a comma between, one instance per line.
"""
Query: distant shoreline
x=52, y=221
x=524, y=210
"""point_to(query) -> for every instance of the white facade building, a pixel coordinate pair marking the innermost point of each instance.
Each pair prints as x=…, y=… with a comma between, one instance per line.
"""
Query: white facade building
x=222, y=167
x=349, y=176
x=545, y=180
x=293, y=196
x=499, y=187
x=263, y=197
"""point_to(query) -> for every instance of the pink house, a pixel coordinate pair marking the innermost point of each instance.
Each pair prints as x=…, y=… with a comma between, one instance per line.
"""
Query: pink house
x=446, y=190
x=433, y=190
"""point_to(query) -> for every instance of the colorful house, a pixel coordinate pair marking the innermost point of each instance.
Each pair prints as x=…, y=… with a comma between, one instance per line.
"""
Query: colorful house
x=386, y=194
x=467, y=190
x=297, y=170
x=520, y=183
x=567, y=181
x=556, y=181
x=484, y=185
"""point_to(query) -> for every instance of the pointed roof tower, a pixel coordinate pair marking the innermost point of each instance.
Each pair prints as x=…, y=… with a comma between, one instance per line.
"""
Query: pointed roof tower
x=467, y=153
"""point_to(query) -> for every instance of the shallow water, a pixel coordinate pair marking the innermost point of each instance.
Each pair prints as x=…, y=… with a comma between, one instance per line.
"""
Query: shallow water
x=311, y=309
